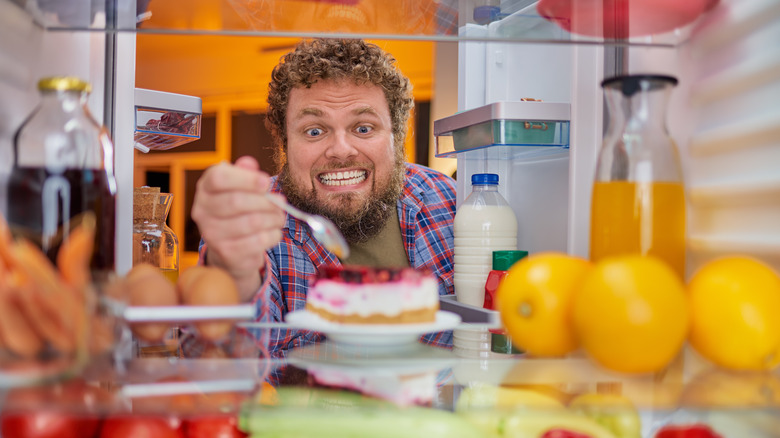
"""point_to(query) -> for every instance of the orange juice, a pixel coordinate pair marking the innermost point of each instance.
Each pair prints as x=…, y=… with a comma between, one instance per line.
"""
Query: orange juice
x=645, y=218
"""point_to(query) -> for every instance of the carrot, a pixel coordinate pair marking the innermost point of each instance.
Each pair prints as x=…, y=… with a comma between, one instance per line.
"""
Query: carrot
x=37, y=311
x=52, y=305
x=16, y=332
x=6, y=243
x=75, y=254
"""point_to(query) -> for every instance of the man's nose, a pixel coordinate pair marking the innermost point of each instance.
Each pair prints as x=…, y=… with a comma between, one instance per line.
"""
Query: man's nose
x=341, y=146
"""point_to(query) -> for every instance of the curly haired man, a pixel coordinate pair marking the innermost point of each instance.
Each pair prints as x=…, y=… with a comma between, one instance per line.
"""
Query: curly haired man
x=337, y=111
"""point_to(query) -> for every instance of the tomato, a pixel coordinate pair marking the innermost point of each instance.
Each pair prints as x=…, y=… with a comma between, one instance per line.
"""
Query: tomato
x=63, y=410
x=47, y=424
x=564, y=433
x=213, y=426
x=141, y=427
x=686, y=431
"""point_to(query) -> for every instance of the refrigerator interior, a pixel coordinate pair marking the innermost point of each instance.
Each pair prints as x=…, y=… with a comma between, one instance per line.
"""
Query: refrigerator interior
x=40, y=39
x=723, y=116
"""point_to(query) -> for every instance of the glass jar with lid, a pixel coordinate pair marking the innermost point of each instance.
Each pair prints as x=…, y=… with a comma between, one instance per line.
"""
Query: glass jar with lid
x=63, y=167
x=61, y=213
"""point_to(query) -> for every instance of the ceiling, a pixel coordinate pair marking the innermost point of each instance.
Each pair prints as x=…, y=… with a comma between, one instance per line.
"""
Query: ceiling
x=202, y=47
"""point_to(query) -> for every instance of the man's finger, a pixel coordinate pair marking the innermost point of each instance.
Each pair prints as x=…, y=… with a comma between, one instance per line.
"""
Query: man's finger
x=226, y=177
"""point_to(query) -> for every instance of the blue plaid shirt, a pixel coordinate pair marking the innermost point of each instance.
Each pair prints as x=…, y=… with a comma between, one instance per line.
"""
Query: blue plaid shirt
x=426, y=210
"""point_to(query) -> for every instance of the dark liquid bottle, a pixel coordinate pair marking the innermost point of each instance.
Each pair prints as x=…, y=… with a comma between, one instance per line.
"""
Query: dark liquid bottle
x=44, y=206
x=63, y=167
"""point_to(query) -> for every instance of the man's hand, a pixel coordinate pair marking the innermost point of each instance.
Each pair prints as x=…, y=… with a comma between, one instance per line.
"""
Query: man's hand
x=237, y=221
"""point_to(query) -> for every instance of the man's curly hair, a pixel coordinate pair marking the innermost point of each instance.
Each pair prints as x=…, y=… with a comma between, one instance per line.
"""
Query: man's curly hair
x=339, y=59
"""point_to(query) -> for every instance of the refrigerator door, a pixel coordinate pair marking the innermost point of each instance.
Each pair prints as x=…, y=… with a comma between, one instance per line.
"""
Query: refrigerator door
x=733, y=147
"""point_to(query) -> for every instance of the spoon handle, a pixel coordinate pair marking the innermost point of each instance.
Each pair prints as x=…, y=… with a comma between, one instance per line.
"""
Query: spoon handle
x=288, y=208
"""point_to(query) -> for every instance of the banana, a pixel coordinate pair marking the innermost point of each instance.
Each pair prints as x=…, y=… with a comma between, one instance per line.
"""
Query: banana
x=534, y=426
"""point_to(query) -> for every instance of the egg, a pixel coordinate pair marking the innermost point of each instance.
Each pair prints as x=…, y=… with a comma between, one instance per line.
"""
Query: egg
x=145, y=285
x=208, y=286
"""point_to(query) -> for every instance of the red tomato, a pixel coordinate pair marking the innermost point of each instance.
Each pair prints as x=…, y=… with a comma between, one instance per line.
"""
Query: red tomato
x=698, y=430
x=564, y=433
x=47, y=424
x=213, y=426
x=141, y=427
x=66, y=410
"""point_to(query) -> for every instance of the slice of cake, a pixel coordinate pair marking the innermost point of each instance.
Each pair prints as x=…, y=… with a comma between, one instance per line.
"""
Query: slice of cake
x=402, y=389
x=366, y=295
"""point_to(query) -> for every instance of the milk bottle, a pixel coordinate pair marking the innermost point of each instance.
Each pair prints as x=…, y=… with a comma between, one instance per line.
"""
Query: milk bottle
x=484, y=223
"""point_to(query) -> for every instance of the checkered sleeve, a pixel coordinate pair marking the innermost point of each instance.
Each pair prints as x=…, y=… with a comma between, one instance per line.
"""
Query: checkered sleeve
x=433, y=235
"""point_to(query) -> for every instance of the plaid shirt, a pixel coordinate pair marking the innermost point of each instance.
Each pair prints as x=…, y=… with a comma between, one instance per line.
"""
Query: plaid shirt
x=426, y=210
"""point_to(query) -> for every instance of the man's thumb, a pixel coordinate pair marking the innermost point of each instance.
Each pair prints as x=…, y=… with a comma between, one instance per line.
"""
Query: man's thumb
x=248, y=163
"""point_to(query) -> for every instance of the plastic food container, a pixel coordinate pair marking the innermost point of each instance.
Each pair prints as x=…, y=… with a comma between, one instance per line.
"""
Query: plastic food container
x=165, y=120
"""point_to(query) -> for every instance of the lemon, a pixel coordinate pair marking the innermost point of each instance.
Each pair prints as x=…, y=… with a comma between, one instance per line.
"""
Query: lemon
x=631, y=314
x=534, y=301
x=735, y=313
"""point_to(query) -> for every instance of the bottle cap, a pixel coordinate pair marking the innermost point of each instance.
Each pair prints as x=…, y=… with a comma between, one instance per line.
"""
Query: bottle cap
x=486, y=14
x=484, y=178
x=64, y=83
x=630, y=84
x=503, y=260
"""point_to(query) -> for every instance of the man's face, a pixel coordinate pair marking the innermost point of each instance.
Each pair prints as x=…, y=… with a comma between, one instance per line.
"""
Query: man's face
x=341, y=160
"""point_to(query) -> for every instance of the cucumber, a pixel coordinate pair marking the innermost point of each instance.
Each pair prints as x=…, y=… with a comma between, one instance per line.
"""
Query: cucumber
x=307, y=412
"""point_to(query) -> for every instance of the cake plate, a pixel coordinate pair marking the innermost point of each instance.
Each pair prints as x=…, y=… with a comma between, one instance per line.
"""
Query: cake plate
x=371, y=334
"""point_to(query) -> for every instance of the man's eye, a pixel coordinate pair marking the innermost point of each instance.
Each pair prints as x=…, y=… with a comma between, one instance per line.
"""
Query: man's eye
x=313, y=132
x=363, y=129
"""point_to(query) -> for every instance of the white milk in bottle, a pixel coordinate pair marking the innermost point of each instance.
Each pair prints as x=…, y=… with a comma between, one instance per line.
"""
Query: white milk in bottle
x=483, y=223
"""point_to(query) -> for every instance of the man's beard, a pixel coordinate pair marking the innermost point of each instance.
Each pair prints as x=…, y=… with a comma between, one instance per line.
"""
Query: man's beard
x=358, y=225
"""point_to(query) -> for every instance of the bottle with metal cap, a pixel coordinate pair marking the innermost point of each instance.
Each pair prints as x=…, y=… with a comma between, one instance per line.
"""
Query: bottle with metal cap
x=63, y=168
x=62, y=186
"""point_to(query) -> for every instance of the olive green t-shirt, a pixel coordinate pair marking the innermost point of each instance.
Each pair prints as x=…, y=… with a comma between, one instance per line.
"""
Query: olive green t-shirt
x=385, y=250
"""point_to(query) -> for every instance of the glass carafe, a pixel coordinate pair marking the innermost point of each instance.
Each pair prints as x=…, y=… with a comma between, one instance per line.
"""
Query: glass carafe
x=153, y=241
x=638, y=204
x=169, y=257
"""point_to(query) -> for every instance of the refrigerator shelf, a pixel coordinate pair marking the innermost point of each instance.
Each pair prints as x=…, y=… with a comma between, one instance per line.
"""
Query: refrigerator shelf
x=523, y=124
x=239, y=312
x=470, y=314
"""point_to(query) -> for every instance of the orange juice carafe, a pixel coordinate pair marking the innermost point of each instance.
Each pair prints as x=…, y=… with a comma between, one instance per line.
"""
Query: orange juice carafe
x=638, y=203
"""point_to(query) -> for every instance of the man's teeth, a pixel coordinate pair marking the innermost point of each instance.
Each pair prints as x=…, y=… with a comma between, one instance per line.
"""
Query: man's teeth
x=343, y=178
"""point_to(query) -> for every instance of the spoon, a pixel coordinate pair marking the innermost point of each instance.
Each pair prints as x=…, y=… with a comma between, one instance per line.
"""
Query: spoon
x=322, y=228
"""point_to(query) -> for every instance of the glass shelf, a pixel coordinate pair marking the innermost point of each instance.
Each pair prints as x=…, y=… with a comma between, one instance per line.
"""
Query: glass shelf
x=423, y=20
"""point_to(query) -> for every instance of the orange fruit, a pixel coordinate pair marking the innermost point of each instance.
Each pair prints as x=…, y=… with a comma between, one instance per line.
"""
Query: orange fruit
x=735, y=313
x=534, y=301
x=631, y=314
